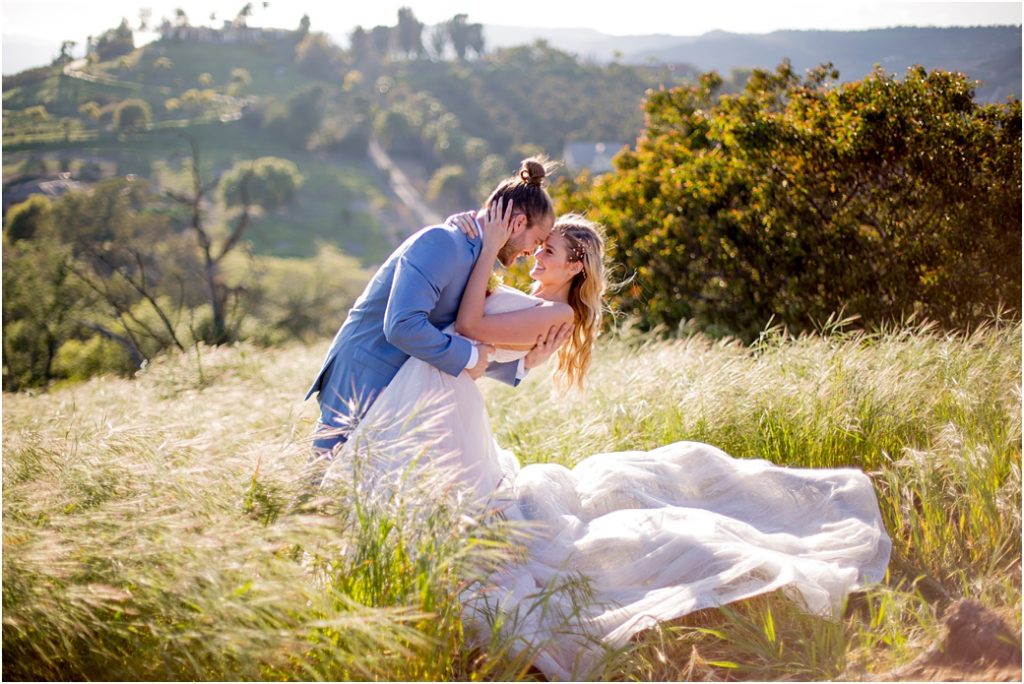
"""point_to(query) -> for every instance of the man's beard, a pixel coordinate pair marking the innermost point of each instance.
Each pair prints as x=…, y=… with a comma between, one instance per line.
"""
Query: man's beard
x=511, y=249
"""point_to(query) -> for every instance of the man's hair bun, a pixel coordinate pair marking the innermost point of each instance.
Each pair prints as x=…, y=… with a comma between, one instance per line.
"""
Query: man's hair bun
x=535, y=170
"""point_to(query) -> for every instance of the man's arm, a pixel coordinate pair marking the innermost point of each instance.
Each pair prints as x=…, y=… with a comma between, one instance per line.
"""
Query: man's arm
x=513, y=372
x=420, y=275
x=510, y=372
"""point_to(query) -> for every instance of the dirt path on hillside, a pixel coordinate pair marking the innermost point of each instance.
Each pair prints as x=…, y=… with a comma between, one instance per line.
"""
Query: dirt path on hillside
x=76, y=69
x=402, y=187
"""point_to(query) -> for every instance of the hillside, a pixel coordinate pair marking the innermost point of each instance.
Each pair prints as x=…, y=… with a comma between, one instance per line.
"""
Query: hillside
x=252, y=100
x=143, y=119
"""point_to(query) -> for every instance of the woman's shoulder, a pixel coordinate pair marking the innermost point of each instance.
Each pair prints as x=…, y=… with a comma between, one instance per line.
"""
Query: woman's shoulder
x=505, y=298
x=508, y=291
x=564, y=311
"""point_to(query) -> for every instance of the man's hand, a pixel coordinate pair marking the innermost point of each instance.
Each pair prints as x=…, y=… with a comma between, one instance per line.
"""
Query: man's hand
x=484, y=352
x=547, y=345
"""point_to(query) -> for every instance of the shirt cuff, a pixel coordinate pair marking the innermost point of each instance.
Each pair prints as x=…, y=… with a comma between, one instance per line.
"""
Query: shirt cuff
x=474, y=356
x=520, y=368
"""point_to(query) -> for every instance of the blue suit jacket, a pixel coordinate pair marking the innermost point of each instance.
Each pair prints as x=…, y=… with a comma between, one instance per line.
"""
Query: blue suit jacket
x=412, y=297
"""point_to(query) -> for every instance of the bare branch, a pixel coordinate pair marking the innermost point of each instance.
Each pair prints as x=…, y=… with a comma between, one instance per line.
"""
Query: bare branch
x=243, y=218
x=127, y=343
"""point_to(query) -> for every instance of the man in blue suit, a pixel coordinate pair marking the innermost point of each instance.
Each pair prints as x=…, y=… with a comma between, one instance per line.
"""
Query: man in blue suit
x=413, y=296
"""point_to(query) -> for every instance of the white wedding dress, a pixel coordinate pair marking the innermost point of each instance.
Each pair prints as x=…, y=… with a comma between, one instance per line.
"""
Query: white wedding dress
x=656, y=534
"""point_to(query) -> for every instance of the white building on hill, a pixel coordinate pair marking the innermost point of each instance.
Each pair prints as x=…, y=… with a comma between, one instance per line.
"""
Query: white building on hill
x=595, y=156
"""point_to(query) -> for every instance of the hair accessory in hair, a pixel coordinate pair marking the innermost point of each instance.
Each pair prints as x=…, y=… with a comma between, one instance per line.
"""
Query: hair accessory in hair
x=577, y=250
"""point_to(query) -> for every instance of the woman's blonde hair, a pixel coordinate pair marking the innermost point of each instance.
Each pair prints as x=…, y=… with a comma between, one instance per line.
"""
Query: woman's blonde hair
x=584, y=242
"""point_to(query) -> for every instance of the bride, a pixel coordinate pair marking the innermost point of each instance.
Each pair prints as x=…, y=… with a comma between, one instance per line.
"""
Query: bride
x=654, y=535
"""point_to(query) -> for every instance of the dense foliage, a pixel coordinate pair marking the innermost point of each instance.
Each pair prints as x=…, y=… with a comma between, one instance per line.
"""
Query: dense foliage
x=102, y=282
x=532, y=94
x=795, y=200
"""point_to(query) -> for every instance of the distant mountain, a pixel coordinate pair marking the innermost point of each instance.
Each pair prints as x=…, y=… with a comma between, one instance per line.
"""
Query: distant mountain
x=990, y=54
x=583, y=42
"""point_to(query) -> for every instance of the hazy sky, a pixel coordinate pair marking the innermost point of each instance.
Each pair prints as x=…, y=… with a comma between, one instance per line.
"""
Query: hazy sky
x=60, y=18
x=25, y=22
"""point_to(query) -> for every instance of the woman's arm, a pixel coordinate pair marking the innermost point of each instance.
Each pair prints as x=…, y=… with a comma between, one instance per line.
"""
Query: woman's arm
x=512, y=328
x=515, y=329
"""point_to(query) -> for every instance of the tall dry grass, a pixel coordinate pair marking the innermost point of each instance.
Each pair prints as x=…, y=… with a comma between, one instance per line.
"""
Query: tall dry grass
x=165, y=527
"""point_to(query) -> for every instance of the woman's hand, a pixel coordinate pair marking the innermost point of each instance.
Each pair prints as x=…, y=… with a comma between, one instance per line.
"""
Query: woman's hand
x=465, y=222
x=497, y=226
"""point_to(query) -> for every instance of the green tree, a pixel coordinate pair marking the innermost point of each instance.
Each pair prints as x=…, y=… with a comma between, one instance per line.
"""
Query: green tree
x=445, y=137
x=317, y=55
x=397, y=132
x=132, y=114
x=382, y=40
x=140, y=272
x=79, y=359
x=532, y=93
x=104, y=262
x=450, y=187
x=29, y=219
x=796, y=199
x=465, y=36
x=221, y=297
x=439, y=41
x=115, y=42
x=240, y=80
x=304, y=25
x=37, y=112
x=40, y=304
x=298, y=118
x=90, y=111
x=243, y=14
x=493, y=169
x=196, y=101
x=269, y=182
x=410, y=33
x=65, y=55
x=359, y=45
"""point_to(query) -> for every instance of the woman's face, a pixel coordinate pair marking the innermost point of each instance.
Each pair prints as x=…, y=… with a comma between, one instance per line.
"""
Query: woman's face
x=551, y=262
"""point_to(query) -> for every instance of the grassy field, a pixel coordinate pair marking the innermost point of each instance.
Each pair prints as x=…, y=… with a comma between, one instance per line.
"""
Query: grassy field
x=164, y=527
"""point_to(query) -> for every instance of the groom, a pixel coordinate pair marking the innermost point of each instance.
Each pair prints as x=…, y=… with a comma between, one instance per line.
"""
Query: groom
x=412, y=297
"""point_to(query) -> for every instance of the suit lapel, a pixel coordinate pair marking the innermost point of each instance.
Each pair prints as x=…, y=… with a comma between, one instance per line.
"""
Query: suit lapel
x=475, y=244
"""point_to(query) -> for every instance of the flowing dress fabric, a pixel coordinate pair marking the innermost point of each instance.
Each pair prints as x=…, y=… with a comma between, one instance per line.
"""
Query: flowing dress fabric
x=624, y=540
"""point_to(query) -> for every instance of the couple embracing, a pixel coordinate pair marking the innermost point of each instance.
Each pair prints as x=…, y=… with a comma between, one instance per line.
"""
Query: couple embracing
x=657, y=534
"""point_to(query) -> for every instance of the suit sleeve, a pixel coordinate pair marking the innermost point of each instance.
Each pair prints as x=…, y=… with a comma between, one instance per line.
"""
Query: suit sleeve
x=507, y=373
x=422, y=272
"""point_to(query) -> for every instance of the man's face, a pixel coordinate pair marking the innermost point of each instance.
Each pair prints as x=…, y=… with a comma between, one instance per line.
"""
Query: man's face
x=526, y=240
